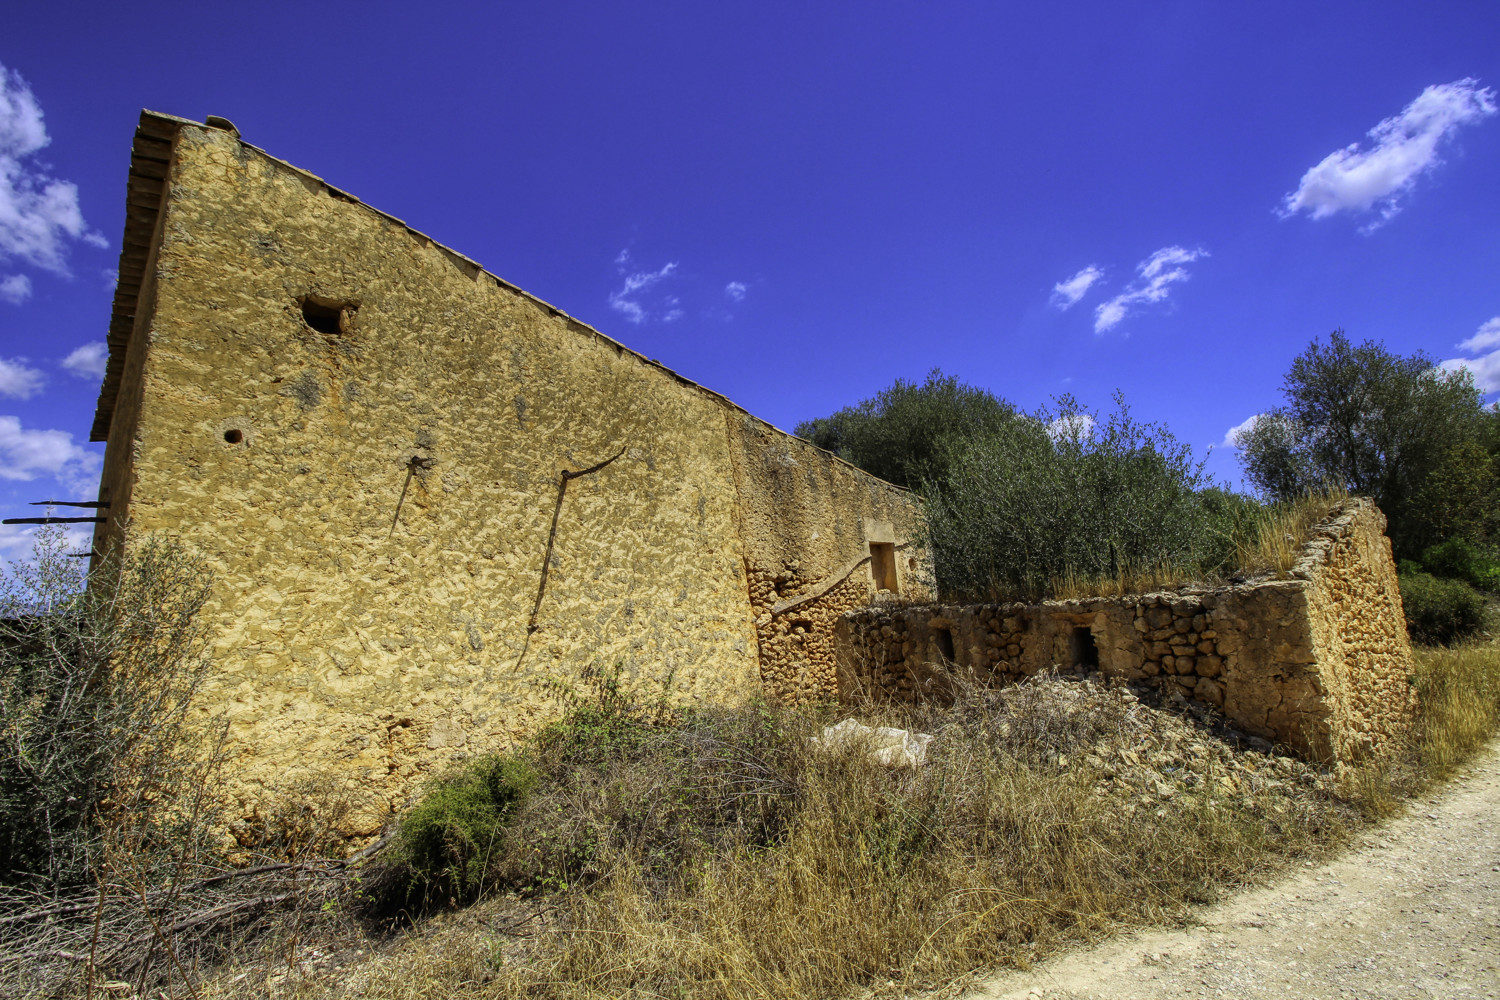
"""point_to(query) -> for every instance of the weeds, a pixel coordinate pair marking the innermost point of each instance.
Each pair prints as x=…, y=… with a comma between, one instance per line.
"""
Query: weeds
x=111, y=878
x=724, y=854
x=1272, y=538
x=1460, y=698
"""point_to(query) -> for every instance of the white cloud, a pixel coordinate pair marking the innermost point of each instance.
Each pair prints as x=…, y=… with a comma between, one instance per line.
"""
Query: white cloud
x=628, y=300
x=15, y=289
x=88, y=361
x=1231, y=439
x=1065, y=294
x=38, y=213
x=1486, y=339
x=1486, y=367
x=1157, y=275
x=26, y=455
x=736, y=290
x=18, y=379
x=1405, y=146
x=1076, y=426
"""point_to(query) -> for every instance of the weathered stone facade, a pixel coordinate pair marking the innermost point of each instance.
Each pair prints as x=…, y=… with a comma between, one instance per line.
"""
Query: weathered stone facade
x=1319, y=662
x=432, y=501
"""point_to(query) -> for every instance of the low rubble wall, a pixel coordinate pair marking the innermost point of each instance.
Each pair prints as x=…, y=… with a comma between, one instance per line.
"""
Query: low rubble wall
x=1318, y=663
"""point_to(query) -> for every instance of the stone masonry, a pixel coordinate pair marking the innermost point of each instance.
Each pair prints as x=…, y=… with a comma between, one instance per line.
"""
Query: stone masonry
x=433, y=503
x=1318, y=662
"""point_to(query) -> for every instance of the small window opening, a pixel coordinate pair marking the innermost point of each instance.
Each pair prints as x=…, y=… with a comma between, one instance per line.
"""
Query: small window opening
x=800, y=626
x=234, y=435
x=1082, y=650
x=945, y=646
x=323, y=317
x=883, y=565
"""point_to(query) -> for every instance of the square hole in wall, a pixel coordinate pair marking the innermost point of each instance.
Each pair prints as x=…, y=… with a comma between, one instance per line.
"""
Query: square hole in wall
x=883, y=565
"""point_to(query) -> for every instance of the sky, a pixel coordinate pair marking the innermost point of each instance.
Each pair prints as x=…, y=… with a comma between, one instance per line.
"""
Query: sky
x=796, y=204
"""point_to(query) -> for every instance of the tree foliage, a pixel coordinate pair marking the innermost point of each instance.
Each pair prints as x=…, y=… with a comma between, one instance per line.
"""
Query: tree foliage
x=1063, y=492
x=1016, y=501
x=911, y=434
x=1397, y=428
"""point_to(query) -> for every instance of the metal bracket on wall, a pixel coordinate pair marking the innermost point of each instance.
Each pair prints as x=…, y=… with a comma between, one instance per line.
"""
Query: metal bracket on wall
x=541, y=590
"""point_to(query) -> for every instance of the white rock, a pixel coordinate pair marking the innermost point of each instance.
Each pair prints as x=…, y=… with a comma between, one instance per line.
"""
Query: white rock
x=890, y=747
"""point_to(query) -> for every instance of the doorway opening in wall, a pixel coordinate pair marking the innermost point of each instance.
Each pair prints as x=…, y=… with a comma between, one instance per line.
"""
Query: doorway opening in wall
x=1082, y=650
x=883, y=565
x=944, y=637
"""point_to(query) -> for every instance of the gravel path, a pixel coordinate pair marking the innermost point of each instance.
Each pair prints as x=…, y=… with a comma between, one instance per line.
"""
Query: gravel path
x=1413, y=910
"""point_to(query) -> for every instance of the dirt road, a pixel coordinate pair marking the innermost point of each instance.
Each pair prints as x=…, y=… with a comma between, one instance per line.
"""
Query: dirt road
x=1413, y=910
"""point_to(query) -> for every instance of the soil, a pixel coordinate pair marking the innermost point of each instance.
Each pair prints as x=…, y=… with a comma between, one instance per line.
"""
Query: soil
x=1413, y=910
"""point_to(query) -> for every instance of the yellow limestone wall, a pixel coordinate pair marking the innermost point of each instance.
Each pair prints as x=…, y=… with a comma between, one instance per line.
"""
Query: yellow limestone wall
x=1319, y=663
x=375, y=503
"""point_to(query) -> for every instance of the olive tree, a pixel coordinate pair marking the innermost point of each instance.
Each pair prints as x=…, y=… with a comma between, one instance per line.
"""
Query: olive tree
x=1396, y=428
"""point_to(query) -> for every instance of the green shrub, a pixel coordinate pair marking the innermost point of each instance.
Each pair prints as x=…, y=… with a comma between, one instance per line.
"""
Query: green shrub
x=1461, y=559
x=445, y=843
x=1440, y=612
x=1066, y=492
x=97, y=744
x=911, y=434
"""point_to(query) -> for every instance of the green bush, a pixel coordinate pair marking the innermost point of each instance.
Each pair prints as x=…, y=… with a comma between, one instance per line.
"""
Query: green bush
x=1460, y=559
x=444, y=845
x=1066, y=493
x=1440, y=612
x=97, y=744
x=911, y=434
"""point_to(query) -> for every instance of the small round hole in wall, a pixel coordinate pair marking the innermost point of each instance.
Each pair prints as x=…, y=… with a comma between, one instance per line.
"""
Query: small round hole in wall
x=234, y=435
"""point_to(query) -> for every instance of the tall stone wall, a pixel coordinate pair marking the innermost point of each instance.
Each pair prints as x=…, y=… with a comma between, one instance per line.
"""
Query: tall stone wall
x=1318, y=662
x=808, y=522
x=375, y=444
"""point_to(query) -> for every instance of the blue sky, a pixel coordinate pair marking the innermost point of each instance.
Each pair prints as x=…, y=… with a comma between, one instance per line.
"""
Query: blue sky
x=794, y=204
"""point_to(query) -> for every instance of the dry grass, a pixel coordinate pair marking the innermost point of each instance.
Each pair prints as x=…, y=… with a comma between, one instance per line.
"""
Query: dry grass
x=1278, y=531
x=725, y=856
x=722, y=855
x=1264, y=541
x=1459, y=688
x=1070, y=585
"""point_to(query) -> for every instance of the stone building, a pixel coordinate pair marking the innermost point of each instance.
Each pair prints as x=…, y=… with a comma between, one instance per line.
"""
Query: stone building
x=1317, y=662
x=433, y=502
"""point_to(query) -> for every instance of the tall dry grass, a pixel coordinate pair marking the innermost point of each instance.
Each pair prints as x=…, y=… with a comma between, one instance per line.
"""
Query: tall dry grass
x=1460, y=695
x=1272, y=540
x=724, y=855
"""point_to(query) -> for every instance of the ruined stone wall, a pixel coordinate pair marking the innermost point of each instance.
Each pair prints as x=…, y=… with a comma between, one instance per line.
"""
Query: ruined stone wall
x=808, y=521
x=1359, y=630
x=376, y=497
x=1318, y=662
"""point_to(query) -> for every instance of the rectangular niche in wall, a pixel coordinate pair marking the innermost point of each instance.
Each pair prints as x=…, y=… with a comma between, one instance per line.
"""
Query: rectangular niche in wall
x=1082, y=650
x=883, y=565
